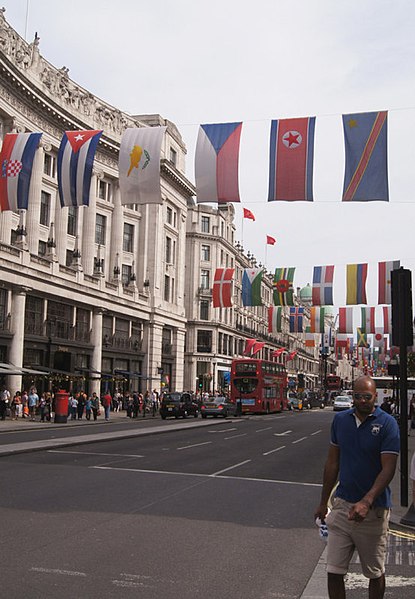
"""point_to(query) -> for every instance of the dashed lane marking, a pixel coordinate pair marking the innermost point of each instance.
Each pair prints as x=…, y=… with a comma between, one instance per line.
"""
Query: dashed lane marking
x=299, y=440
x=223, y=430
x=194, y=445
x=230, y=468
x=261, y=430
x=317, y=432
x=235, y=436
x=57, y=571
x=112, y=455
x=274, y=450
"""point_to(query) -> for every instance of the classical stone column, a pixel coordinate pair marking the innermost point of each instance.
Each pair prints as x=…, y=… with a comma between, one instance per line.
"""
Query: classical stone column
x=6, y=223
x=152, y=347
x=33, y=211
x=88, y=229
x=17, y=342
x=96, y=340
x=178, y=347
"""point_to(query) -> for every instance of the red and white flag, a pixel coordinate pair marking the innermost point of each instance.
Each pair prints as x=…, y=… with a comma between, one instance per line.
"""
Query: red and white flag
x=248, y=214
x=222, y=287
x=346, y=320
x=378, y=337
x=368, y=320
x=387, y=320
x=385, y=281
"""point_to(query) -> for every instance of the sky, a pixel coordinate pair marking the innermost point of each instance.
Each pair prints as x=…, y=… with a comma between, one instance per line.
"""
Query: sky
x=222, y=61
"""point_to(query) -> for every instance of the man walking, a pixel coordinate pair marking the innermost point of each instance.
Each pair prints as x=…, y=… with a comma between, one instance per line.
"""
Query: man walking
x=363, y=454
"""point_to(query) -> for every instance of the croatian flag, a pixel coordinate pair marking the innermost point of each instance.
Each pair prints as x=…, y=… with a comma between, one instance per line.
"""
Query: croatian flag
x=368, y=320
x=222, y=287
x=323, y=285
x=291, y=159
x=296, y=320
x=16, y=161
x=216, y=163
x=274, y=319
x=356, y=284
x=385, y=281
x=366, y=170
x=346, y=320
x=75, y=160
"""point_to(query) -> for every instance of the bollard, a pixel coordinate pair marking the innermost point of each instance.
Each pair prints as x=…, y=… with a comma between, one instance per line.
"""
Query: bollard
x=61, y=406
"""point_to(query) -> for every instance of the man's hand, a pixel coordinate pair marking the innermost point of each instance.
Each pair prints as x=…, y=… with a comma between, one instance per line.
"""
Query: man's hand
x=359, y=510
x=321, y=512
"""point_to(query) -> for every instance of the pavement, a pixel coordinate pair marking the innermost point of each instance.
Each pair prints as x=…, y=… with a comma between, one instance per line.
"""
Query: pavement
x=316, y=586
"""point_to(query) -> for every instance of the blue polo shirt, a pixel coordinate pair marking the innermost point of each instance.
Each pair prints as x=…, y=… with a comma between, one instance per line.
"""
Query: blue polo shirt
x=360, y=452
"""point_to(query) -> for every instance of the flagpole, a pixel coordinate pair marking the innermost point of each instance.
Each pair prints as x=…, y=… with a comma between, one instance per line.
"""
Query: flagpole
x=242, y=231
x=266, y=248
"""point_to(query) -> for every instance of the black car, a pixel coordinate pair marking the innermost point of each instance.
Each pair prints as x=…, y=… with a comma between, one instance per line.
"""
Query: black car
x=218, y=406
x=178, y=405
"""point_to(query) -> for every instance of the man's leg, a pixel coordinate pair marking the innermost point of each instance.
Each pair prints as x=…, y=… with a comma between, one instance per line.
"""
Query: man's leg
x=377, y=587
x=335, y=585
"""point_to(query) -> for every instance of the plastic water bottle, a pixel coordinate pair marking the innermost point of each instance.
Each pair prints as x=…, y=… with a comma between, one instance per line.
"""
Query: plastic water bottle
x=323, y=530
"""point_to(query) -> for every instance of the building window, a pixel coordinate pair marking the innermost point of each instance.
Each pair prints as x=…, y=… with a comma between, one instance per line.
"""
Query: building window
x=49, y=165
x=222, y=229
x=166, y=288
x=3, y=308
x=204, y=341
x=169, y=215
x=206, y=253
x=33, y=322
x=42, y=248
x=104, y=190
x=205, y=279
x=204, y=310
x=100, y=229
x=72, y=219
x=128, y=238
x=173, y=156
x=126, y=272
x=169, y=250
x=45, y=202
x=69, y=256
x=205, y=224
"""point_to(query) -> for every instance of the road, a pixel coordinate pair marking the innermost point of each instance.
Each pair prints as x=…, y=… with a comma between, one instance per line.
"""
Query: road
x=221, y=511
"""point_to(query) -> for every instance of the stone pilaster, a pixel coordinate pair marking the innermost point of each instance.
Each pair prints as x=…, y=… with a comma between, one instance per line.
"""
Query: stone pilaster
x=178, y=374
x=33, y=212
x=17, y=342
x=88, y=230
x=96, y=341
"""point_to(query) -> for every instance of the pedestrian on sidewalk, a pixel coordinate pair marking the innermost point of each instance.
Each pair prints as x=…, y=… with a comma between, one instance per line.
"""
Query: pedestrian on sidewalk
x=88, y=408
x=106, y=402
x=94, y=405
x=362, y=456
x=15, y=406
x=33, y=402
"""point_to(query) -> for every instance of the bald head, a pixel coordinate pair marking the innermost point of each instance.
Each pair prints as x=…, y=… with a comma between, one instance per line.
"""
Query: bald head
x=364, y=383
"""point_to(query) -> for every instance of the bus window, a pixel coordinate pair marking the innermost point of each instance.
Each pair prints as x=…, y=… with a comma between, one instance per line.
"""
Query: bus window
x=246, y=385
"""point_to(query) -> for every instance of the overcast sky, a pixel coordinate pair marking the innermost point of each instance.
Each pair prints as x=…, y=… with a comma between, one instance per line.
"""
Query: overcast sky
x=196, y=62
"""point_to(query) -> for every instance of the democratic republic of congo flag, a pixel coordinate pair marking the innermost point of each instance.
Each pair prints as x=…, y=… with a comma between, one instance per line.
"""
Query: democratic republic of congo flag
x=356, y=284
x=291, y=159
x=366, y=170
x=283, y=287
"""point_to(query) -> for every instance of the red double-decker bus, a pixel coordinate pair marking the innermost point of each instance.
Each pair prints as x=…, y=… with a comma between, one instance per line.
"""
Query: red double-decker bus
x=260, y=385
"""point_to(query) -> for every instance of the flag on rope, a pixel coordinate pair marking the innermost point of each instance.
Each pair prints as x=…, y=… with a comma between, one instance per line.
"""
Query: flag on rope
x=222, y=287
x=75, y=160
x=291, y=159
x=251, y=286
x=291, y=355
x=378, y=337
x=346, y=320
x=387, y=320
x=216, y=163
x=368, y=320
x=385, y=281
x=296, y=320
x=283, y=287
x=310, y=339
x=16, y=161
x=274, y=320
x=258, y=345
x=139, y=165
x=356, y=284
x=322, y=294
x=271, y=240
x=248, y=214
x=249, y=344
x=317, y=320
x=366, y=170
x=342, y=340
x=276, y=353
x=361, y=339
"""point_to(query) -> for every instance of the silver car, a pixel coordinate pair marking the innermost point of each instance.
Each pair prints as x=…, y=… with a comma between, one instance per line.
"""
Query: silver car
x=342, y=402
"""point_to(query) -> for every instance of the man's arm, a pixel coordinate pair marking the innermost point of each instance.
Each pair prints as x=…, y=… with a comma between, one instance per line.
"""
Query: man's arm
x=331, y=471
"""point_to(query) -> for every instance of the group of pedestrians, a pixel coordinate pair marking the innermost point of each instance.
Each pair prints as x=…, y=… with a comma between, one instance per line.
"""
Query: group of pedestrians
x=138, y=404
x=26, y=404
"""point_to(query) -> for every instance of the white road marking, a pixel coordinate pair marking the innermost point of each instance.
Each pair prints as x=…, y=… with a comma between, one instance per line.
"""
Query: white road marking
x=112, y=455
x=223, y=430
x=57, y=571
x=130, y=584
x=317, y=432
x=194, y=445
x=260, y=430
x=230, y=468
x=234, y=436
x=273, y=450
x=282, y=434
x=261, y=480
x=299, y=440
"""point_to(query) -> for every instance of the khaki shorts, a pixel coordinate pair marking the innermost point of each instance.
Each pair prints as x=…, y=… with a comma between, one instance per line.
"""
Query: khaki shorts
x=367, y=537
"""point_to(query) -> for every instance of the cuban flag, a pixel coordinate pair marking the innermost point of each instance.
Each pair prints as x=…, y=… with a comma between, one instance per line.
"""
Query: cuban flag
x=291, y=159
x=346, y=320
x=366, y=170
x=385, y=281
x=322, y=293
x=216, y=163
x=296, y=320
x=16, y=161
x=222, y=287
x=75, y=160
x=368, y=320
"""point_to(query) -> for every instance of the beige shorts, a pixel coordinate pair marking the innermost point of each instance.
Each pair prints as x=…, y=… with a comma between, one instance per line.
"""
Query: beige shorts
x=367, y=537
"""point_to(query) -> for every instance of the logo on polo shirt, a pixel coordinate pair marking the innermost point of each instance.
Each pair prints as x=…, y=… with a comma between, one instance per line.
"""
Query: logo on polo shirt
x=376, y=429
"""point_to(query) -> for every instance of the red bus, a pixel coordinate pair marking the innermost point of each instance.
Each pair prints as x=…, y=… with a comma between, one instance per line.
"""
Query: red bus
x=261, y=385
x=333, y=383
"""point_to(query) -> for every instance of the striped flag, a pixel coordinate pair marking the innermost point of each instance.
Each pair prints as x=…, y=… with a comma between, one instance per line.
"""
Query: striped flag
x=346, y=320
x=356, y=284
x=222, y=287
x=296, y=320
x=75, y=160
x=317, y=320
x=274, y=320
x=16, y=161
x=385, y=281
x=366, y=170
x=139, y=165
x=368, y=320
x=310, y=338
x=216, y=163
x=291, y=159
x=322, y=294
x=283, y=287
x=251, y=286
x=387, y=320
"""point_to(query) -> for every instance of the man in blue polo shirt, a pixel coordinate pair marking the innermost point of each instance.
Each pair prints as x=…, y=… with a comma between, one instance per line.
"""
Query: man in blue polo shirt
x=362, y=456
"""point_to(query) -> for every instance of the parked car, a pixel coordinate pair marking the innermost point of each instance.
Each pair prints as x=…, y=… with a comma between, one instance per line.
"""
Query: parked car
x=218, y=406
x=342, y=402
x=294, y=401
x=178, y=405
